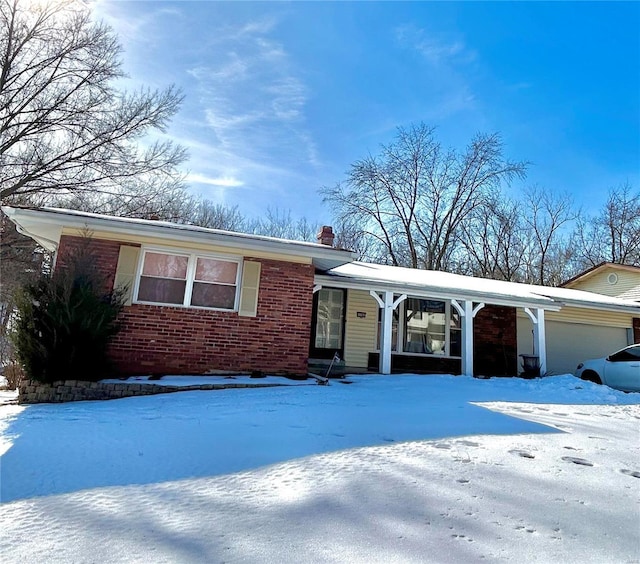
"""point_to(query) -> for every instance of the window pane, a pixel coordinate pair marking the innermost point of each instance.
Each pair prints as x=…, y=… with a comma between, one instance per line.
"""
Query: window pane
x=165, y=266
x=394, y=329
x=213, y=295
x=329, y=321
x=161, y=290
x=212, y=270
x=455, y=346
x=425, y=324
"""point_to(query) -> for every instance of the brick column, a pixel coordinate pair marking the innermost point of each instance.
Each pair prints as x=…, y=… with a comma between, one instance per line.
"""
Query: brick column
x=636, y=329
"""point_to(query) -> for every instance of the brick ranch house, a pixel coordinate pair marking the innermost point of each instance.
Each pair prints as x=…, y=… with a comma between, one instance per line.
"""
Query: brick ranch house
x=204, y=300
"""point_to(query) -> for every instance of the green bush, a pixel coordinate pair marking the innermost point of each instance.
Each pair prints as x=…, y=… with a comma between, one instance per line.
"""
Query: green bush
x=65, y=321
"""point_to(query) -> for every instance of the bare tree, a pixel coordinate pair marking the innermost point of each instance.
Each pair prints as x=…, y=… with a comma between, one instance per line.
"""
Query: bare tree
x=493, y=239
x=614, y=234
x=280, y=223
x=21, y=260
x=206, y=213
x=154, y=199
x=410, y=201
x=546, y=217
x=64, y=126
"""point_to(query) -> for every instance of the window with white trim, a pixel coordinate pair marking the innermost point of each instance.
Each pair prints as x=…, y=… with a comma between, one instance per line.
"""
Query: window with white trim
x=425, y=327
x=191, y=280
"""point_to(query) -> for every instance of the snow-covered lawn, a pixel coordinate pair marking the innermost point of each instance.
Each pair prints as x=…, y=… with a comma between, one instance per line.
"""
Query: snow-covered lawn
x=386, y=469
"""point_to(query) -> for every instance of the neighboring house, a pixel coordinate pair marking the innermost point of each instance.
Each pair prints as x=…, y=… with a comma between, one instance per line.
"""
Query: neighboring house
x=202, y=300
x=609, y=279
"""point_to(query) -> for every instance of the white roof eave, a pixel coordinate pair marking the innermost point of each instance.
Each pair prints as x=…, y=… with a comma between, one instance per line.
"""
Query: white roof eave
x=33, y=222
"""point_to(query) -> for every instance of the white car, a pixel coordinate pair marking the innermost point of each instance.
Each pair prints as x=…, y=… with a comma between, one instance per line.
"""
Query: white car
x=621, y=370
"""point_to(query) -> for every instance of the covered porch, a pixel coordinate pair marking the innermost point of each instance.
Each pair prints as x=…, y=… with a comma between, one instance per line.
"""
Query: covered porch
x=390, y=326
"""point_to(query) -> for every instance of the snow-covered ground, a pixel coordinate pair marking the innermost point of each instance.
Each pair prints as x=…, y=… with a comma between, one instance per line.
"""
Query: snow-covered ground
x=386, y=469
x=184, y=381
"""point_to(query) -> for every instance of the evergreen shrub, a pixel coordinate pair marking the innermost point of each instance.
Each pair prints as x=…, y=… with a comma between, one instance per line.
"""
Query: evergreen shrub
x=65, y=321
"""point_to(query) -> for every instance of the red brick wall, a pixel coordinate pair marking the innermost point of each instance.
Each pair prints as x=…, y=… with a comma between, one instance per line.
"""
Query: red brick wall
x=165, y=339
x=495, y=342
x=103, y=254
x=636, y=329
x=177, y=340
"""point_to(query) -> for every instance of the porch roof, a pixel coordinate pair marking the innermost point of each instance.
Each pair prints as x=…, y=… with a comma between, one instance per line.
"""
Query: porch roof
x=431, y=283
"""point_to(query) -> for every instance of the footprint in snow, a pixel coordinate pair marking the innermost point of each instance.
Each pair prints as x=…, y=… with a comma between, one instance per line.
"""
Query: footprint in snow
x=469, y=443
x=522, y=453
x=443, y=446
x=579, y=461
x=633, y=473
x=462, y=481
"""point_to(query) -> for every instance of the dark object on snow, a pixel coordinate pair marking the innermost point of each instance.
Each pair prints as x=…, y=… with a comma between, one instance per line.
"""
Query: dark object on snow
x=530, y=366
x=258, y=374
x=155, y=377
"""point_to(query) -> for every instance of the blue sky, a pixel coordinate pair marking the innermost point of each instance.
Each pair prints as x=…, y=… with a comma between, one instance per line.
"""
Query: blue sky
x=280, y=98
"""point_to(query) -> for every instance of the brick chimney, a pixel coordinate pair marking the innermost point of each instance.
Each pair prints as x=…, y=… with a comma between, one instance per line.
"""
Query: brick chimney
x=326, y=236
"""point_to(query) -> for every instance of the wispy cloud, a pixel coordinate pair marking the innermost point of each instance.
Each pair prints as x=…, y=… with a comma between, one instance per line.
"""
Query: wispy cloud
x=436, y=49
x=252, y=103
x=244, y=116
x=224, y=181
x=448, y=59
x=132, y=28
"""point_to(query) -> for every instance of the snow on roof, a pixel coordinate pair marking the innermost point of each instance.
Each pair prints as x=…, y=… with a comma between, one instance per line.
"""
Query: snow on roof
x=480, y=289
x=177, y=226
x=581, y=297
x=37, y=223
x=633, y=294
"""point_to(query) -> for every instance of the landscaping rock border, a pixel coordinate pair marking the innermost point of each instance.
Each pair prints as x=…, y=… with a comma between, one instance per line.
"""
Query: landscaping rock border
x=30, y=392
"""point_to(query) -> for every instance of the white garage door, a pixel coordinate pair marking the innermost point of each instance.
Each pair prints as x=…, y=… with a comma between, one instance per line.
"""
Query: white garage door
x=571, y=343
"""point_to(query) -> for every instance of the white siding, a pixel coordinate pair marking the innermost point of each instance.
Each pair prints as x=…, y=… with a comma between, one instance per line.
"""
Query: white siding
x=361, y=333
x=627, y=282
x=590, y=317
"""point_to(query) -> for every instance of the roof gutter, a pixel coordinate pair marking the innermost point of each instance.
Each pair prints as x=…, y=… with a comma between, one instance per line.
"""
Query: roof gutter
x=633, y=310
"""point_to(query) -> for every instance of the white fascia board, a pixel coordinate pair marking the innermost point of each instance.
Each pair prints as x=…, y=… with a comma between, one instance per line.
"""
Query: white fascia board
x=586, y=300
x=46, y=235
x=424, y=291
x=619, y=308
x=35, y=221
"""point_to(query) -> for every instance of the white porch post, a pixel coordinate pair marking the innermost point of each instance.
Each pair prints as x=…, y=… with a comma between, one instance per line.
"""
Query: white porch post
x=539, y=337
x=387, y=305
x=467, y=313
x=541, y=341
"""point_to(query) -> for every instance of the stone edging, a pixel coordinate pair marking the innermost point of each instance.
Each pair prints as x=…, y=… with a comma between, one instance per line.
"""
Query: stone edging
x=31, y=392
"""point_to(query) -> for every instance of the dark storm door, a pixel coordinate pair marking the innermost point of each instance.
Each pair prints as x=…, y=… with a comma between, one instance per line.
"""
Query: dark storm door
x=327, y=332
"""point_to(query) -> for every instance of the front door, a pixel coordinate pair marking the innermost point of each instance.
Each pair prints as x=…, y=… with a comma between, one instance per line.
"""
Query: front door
x=327, y=334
